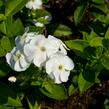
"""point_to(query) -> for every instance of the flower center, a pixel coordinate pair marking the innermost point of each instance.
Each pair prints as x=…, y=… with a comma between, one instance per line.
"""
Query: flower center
x=18, y=55
x=60, y=67
x=43, y=49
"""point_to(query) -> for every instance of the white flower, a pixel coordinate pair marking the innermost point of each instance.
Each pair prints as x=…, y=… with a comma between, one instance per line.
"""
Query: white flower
x=40, y=49
x=17, y=60
x=34, y=4
x=20, y=41
x=12, y=79
x=58, y=44
x=39, y=24
x=58, y=67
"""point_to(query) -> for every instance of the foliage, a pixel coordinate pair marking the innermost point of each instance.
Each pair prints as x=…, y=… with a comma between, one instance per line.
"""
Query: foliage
x=84, y=28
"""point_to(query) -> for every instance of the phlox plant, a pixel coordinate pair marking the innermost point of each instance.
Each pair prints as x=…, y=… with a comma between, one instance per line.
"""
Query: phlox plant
x=51, y=49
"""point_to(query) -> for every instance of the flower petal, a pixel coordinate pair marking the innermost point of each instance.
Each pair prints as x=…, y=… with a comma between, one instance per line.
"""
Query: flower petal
x=23, y=62
x=39, y=58
x=64, y=76
x=57, y=77
x=8, y=58
x=17, y=67
x=29, y=52
x=68, y=63
x=51, y=66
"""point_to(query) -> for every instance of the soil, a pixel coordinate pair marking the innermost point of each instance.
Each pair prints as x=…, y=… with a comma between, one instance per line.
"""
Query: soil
x=93, y=98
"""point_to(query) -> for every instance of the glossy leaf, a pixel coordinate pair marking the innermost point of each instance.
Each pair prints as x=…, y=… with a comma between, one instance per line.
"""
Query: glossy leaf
x=71, y=90
x=105, y=62
x=95, y=42
x=2, y=51
x=107, y=34
x=83, y=83
x=78, y=14
x=5, y=43
x=62, y=30
x=13, y=6
x=3, y=27
x=78, y=45
x=54, y=91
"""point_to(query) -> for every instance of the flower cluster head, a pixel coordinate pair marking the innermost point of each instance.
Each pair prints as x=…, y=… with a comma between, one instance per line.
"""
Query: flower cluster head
x=45, y=52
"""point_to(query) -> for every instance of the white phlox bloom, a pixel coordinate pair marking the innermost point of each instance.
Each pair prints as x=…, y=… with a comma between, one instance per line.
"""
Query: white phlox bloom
x=20, y=41
x=17, y=60
x=41, y=49
x=12, y=79
x=58, y=44
x=58, y=68
x=34, y=4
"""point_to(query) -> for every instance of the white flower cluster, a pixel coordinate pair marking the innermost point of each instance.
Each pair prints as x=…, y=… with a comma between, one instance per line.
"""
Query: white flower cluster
x=42, y=52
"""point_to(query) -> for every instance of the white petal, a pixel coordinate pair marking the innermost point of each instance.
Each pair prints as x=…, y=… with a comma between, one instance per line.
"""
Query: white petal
x=29, y=4
x=63, y=50
x=39, y=59
x=64, y=76
x=57, y=77
x=51, y=65
x=39, y=24
x=8, y=58
x=29, y=52
x=36, y=4
x=23, y=62
x=37, y=39
x=68, y=63
x=17, y=67
x=12, y=79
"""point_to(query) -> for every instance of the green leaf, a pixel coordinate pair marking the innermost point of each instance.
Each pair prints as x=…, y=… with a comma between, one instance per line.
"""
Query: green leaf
x=17, y=28
x=95, y=42
x=13, y=6
x=79, y=12
x=98, y=1
x=107, y=34
x=106, y=104
x=42, y=20
x=5, y=43
x=2, y=17
x=39, y=13
x=93, y=35
x=62, y=30
x=71, y=90
x=14, y=27
x=2, y=51
x=14, y=102
x=55, y=91
x=102, y=7
x=85, y=35
x=5, y=107
x=78, y=45
x=1, y=3
x=105, y=62
x=3, y=27
x=83, y=83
